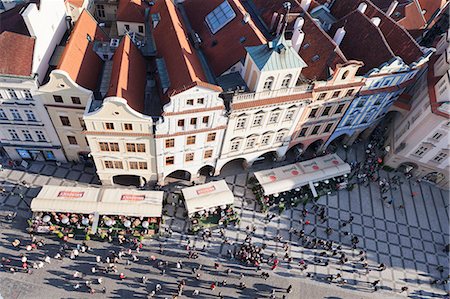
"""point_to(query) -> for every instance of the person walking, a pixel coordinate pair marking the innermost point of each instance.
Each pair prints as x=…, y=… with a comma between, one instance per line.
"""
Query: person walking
x=289, y=289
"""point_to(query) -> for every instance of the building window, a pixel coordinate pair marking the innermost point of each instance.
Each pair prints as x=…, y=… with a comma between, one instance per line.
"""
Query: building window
x=440, y=157
x=328, y=128
x=205, y=119
x=114, y=147
x=240, y=124
x=289, y=115
x=133, y=165
x=109, y=126
x=12, y=93
x=265, y=140
x=257, y=121
x=40, y=135
x=190, y=140
x=303, y=132
x=142, y=165
x=104, y=147
x=58, y=99
x=82, y=123
x=118, y=165
x=65, y=121
x=348, y=123
x=136, y=147
x=27, y=135
x=193, y=121
x=251, y=142
x=437, y=136
x=336, y=94
x=15, y=114
x=13, y=134
x=170, y=143
x=76, y=100
x=345, y=74
x=127, y=27
x=101, y=11
x=170, y=160
x=141, y=29
x=208, y=154
x=201, y=101
x=3, y=114
x=190, y=102
x=128, y=127
x=189, y=157
x=360, y=103
x=274, y=117
x=280, y=137
x=30, y=115
x=28, y=95
x=286, y=81
x=219, y=17
x=235, y=145
x=138, y=165
x=109, y=164
x=322, y=96
x=349, y=92
x=313, y=113
x=421, y=150
x=339, y=109
x=315, y=130
x=268, y=84
x=211, y=137
x=72, y=140
x=181, y=122
x=326, y=111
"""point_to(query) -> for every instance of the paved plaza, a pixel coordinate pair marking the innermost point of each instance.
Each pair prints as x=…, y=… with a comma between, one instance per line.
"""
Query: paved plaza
x=408, y=237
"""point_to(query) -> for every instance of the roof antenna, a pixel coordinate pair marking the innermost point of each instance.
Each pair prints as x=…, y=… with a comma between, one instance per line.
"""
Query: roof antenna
x=287, y=6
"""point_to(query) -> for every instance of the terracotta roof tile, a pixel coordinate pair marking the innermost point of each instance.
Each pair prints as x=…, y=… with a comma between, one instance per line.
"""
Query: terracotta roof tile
x=431, y=6
x=398, y=39
x=128, y=75
x=79, y=60
x=181, y=60
x=131, y=11
x=316, y=41
x=77, y=3
x=227, y=46
x=17, y=54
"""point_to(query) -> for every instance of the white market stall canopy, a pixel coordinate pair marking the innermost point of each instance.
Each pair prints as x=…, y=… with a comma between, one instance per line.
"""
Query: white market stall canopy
x=206, y=196
x=131, y=203
x=86, y=200
x=297, y=175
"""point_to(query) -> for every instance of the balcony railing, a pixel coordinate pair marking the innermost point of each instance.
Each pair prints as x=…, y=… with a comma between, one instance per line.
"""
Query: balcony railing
x=252, y=96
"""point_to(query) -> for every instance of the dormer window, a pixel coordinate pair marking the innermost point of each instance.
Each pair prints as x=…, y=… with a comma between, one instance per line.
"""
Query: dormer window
x=286, y=81
x=219, y=17
x=268, y=84
x=345, y=75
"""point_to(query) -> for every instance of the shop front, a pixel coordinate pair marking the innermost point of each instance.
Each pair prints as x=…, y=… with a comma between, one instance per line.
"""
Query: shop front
x=209, y=205
x=291, y=184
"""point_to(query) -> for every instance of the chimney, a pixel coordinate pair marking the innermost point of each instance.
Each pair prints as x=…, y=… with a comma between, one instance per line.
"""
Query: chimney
x=305, y=4
x=274, y=19
x=362, y=7
x=391, y=8
x=246, y=18
x=280, y=24
x=376, y=21
x=339, y=35
x=298, y=35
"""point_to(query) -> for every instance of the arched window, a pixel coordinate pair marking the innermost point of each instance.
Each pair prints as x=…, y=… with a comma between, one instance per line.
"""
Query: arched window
x=345, y=75
x=268, y=84
x=286, y=81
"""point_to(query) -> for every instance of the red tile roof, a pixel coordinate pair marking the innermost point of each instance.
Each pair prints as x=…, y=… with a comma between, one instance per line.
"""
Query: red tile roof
x=131, y=11
x=77, y=3
x=17, y=54
x=79, y=59
x=431, y=6
x=182, y=63
x=398, y=39
x=224, y=48
x=128, y=75
x=316, y=41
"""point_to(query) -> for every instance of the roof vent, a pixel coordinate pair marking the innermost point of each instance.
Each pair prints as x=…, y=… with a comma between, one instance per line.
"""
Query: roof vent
x=362, y=7
x=246, y=18
x=114, y=42
x=376, y=21
x=391, y=8
x=315, y=58
x=270, y=44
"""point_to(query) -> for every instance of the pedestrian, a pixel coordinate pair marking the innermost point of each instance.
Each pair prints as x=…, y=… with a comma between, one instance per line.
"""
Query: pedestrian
x=213, y=286
x=121, y=276
x=404, y=289
x=289, y=289
x=195, y=293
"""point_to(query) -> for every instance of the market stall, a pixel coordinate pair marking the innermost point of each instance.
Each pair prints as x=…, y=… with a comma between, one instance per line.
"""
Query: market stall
x=209, y=204
x=106, y=213
x=295, y=183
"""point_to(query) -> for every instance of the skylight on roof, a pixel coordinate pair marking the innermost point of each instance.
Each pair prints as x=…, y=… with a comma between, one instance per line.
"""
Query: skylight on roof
x=220, y=16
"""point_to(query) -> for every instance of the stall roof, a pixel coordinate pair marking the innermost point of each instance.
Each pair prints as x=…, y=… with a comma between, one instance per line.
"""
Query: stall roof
x=87, y=200
x=206, y=196
x=296, y=175
x=131, y=203
x=66, y=199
